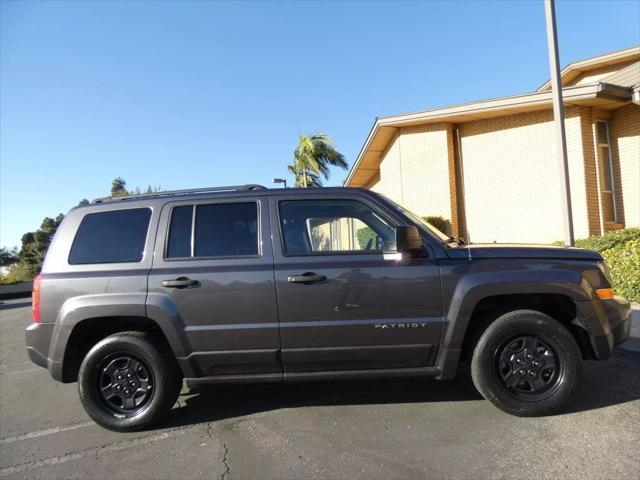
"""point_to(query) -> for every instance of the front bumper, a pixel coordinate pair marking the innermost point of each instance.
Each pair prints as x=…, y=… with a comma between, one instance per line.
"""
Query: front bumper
x=38, y=338
x=607, y=322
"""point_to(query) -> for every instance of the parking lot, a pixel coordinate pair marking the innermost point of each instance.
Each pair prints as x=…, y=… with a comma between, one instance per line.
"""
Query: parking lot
x=372, y=429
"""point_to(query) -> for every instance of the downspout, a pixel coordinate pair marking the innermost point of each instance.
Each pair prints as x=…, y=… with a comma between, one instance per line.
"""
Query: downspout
x=462, y=200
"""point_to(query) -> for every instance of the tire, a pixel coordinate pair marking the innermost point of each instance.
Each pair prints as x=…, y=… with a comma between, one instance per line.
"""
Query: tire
x=534, y=343
x=141, y=382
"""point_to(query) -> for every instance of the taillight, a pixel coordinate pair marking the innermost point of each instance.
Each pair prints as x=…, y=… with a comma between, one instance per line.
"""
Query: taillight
x=36, y=299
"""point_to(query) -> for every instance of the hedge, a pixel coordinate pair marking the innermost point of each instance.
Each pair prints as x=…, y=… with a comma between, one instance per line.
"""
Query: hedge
x=621, y=250
x=440, y=223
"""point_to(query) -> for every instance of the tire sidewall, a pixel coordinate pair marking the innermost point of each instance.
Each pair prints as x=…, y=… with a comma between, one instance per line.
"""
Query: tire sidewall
x=525, y=322
x=88, y=382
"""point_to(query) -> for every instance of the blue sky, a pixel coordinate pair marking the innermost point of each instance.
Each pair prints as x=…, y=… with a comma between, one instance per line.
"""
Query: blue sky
x=193, y=94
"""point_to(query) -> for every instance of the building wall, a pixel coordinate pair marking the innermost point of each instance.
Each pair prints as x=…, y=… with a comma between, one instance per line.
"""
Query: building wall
x=511, y=178
x=588, y=119
x=414, y=170
x=625, y=138
x=390, y=183
x=512, y=190
x=425, y=170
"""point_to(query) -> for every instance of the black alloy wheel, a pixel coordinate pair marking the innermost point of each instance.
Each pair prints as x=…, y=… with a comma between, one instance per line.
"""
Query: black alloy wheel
x=129, y=380
x=526, y=363
x=125, y=384
x=529, y=367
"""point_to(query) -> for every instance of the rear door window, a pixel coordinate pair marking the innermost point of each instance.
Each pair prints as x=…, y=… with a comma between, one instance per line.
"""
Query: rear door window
x=116, y=236
x=180, y=232
x=220, y=230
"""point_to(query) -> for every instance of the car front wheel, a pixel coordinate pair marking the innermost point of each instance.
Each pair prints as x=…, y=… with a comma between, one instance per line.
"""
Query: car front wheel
x=526, y=363
x=127, y=382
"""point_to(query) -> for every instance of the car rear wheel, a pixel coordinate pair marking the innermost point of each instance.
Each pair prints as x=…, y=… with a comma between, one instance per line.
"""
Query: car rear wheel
x=526, y=363
x=127, y=382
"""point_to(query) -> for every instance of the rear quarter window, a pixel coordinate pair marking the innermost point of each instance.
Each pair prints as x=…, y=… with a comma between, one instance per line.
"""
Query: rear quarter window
x=116, y=236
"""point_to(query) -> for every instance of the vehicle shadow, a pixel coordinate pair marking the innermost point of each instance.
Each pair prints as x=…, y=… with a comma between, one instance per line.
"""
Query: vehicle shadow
x=232, y=401
x=606, y=383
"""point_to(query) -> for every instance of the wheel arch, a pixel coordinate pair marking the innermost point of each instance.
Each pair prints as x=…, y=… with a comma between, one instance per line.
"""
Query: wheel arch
x=89, y=331
x=469, y=314
x=84, y=321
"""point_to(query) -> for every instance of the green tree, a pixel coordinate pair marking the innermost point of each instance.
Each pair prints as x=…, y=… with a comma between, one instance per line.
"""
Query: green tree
x=35, y=246
x=312, y=158
x=119, y=187
x=8, y=256
x=27, y=262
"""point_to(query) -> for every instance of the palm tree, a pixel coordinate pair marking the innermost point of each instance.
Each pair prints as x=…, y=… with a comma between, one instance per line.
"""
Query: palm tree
x=312, y=158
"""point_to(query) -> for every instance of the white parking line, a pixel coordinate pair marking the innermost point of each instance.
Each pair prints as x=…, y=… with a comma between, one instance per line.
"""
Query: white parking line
x=42, y=433
x=114, y=447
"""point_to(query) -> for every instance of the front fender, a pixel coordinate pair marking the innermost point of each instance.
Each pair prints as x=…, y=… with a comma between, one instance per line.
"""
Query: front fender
x=473, y=287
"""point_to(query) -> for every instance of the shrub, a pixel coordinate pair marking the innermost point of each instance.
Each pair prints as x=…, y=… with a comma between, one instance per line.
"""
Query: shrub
x=366, y=234
x=621, y=250
x=440, y=223
x=18, y=272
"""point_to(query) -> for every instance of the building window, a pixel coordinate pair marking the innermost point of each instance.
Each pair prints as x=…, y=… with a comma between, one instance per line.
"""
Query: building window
x=605, y=172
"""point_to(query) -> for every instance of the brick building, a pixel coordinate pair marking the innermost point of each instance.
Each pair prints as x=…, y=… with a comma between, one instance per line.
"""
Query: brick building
x=491, y=167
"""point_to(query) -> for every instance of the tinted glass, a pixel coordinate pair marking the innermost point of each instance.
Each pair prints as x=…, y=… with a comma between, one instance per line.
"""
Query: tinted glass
x=111, y=237
x=312, y=226
x=603, y=132
x=180, y=232
x=605, y=169
x=226, y=229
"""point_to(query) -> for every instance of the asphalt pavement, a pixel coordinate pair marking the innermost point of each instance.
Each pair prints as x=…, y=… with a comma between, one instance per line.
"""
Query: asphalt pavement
x=371, y=429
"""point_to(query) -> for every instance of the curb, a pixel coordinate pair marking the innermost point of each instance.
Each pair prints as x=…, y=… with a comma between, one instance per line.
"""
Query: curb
x=633, y=343
x=15, y=290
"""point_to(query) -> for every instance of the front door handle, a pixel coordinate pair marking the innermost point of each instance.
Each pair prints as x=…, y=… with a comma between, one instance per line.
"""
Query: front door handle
x=182, y=282
x=308, y=277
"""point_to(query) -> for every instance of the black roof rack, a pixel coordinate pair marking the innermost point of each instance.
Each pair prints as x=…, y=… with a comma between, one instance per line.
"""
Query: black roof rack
x=188, y=191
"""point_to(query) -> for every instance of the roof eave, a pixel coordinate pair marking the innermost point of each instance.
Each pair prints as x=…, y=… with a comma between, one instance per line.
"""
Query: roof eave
x=592, y=63
x=519, y=102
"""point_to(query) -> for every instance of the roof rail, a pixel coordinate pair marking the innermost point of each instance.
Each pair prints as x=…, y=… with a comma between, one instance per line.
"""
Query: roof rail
x=188, y=191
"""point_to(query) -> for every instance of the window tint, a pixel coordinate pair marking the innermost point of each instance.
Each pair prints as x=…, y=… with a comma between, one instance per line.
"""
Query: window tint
x=226, y=229
x=180, y=232
x=111, y=237
x=311, y=226
x=605, y=173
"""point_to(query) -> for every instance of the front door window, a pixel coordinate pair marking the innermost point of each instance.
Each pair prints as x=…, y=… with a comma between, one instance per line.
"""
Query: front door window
x=324, y=226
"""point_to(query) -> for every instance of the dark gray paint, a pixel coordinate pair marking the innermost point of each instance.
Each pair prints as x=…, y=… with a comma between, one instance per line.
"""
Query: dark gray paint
x=373, y=315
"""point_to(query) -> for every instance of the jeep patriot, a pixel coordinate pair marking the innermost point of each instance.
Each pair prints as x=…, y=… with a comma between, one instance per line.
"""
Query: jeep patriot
x=248, y=284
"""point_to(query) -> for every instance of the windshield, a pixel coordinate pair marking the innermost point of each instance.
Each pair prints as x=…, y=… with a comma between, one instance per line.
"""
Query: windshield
x=420, y=222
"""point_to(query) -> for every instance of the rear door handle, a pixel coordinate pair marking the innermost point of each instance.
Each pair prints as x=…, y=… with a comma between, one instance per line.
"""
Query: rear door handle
x=182, y=282
x=308, y=277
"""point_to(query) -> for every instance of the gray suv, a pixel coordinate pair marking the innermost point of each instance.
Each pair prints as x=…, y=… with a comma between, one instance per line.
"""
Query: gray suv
x=247, y=284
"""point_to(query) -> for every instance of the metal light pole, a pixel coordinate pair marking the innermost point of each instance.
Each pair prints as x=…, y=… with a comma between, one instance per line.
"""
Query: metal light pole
x=280, y=180
x=558, y=120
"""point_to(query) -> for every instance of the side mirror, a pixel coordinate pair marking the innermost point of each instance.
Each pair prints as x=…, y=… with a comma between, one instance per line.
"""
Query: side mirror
x=408, y=240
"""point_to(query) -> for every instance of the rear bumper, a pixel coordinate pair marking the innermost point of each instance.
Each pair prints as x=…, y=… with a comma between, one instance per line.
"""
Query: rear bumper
x=38, y=338
x=608, y=323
